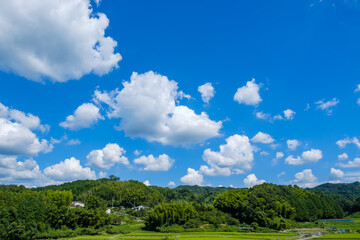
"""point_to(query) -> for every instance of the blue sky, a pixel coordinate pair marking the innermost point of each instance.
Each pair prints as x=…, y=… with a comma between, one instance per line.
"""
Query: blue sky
x=85, y=84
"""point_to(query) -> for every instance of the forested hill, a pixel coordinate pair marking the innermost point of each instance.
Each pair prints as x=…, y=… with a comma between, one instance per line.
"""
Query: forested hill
x=128, y=193
x=125, y=192
x=40, y=211
x=347, y=195
x=348, y=190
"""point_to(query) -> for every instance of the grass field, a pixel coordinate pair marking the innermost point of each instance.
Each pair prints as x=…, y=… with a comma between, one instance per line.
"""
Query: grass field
x=136, y=233
x=194, y=236
x=341, y=236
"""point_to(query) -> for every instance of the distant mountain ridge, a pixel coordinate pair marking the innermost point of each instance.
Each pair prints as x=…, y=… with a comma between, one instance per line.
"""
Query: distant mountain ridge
x=348, y=190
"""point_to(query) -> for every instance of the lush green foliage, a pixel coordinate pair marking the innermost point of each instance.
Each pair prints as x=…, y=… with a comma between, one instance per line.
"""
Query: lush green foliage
x=24, y=214
x=276, y=206
x=186, y=215
x=128, y=193
x=45, y=213
x=347, y=195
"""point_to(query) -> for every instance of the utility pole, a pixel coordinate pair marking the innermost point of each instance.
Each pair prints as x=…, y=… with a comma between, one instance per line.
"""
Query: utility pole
x=134, y=201
x=112, y=202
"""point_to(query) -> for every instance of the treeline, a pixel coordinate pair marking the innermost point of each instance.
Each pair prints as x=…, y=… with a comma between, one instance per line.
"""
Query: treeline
x=130, y=193
x=347, y=195
x=33, y=213
x=267, y=205
x=179, y=216
x=27, y=214
x=277, y=206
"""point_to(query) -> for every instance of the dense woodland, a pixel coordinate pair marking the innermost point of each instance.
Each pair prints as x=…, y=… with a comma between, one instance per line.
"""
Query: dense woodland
x=347, y=195
x=45, y=212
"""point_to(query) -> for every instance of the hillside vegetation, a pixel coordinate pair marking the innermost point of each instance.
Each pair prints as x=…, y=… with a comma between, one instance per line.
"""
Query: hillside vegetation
x=45, y=212
x=347, y=195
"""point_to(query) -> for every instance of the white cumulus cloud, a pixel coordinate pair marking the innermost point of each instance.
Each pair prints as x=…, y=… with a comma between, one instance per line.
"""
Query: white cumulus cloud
x=19, y=172
x=207, y=92
x=17, y=135
x=343, y=157
x=161, y=163
x=107, y=157
x=343, y=142
x=261, y=137
x=69, y=170
x=171, y=184
x=248, y=94
x=25, y=119
x=310, y=156
x=215, y=170
x=289, y=114
x=278, y=156
x=147, y=183
x=56, y=40
x=147, y=106
x=192, y=177
x=292, y=144
x=351, y=164
x=251, y=180
x=15, y=139
x=84, y=116
x=234, y=157
x=305, y=178
x=336, y=174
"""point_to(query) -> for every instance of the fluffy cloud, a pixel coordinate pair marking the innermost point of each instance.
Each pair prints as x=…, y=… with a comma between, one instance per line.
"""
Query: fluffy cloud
x=25, y=119
x=343, y=157
x=192, y=177
x=261, y=137
x=343, y=142
x=56, y=40
x=84, y=116
x=305, y=178
x=69, y=170
x=161, y=163
x=278, y=156
x=248, y=94
x=147, y=183
x=289, y=114
x=261, y=115
x=147, y=108
x=15, y=139
x=215, y=171
x=16, y=172
x=327, y=106
x=351, y=164
x=207, y=92
x=292, y=144
x=236, y=155
x=107, y=157
x=251, y=180
x=171, y=184
x=310, y=156
x=336, y=174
